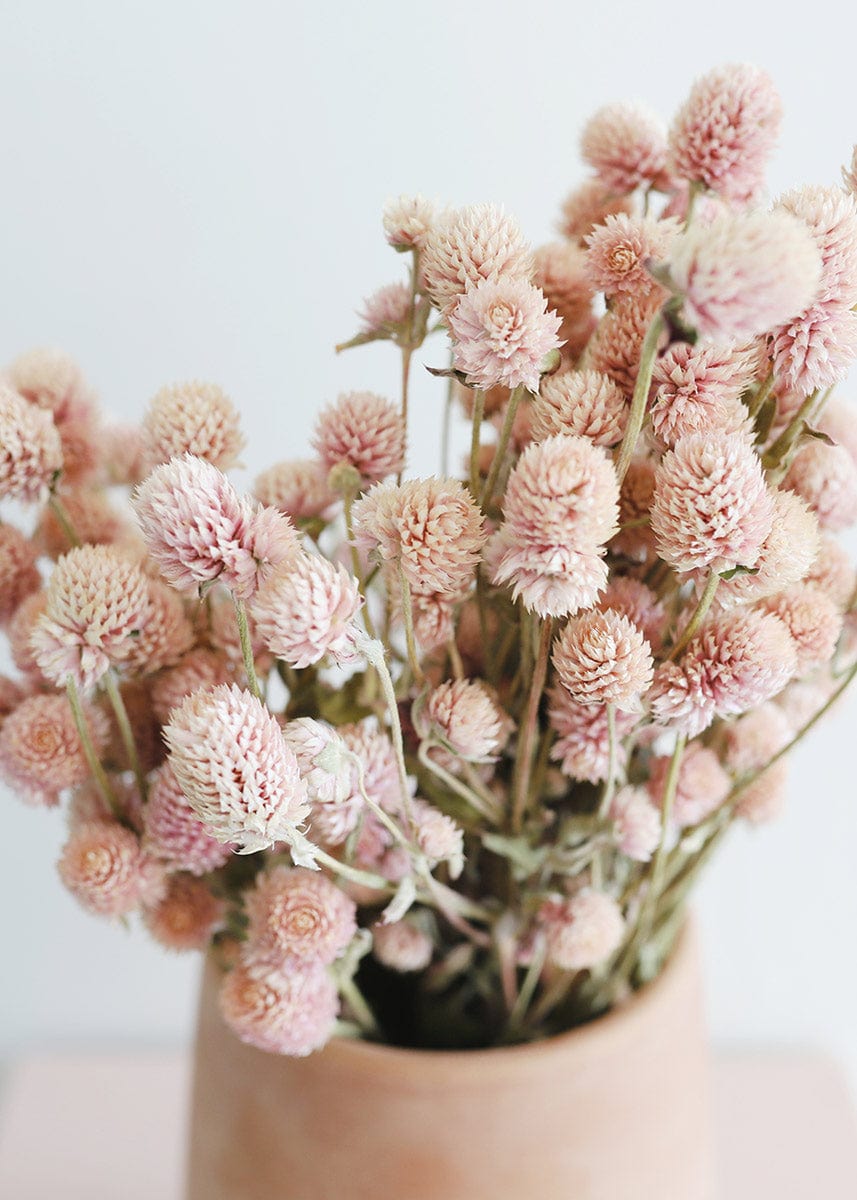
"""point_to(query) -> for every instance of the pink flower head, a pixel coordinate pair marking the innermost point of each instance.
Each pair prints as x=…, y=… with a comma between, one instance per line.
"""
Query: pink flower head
x=307, y=610
x=503, y=333
x=617, y=343
x=434, y=620
x=472, y=244
x=550, y=580
x=702, y=787
x=832, y=570
x=200, y=668
x=20, y=629
x=632, y=598
x=585, y=403
x=725, y=131
x=626, y=145
x=105, y=870
x=97, y=602
x=363, y=431
x=590, y=204
x=763, y=799
x=402, y=946
x=737, y=661
x=831, y=217
x=816, y=350
x=698, y=389
x=635, y=503
x=621, y=250
x=754, y=739
x=174, y=833
x=30, y=451
x=187, y=916
x=825, y=478
x=165, y=633
x=785, y=556
x=284, y=1012
x=711, y=507
x=328, y=770
x=232, y=762
x=560, y=273
x=19, y=575
x=463, y=714
x=583, y=930
x=40, y=750
x=582, y=747
x=439, y=837
x=90, y=514
x=812, y=619
x=602, y=658
x=296, y=914
x=432, y=528
x=408, y=221
x=745, y=273
x=636, y=823
x=52, y=381
x=299, y=489
x=386, y=311
x=373, y=748
x=192, y=418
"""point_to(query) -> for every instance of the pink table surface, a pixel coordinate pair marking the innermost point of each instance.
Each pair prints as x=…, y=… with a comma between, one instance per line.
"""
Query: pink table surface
x=113, y=1127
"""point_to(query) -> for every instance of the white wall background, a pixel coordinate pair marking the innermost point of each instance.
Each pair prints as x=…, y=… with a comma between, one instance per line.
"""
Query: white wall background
x=193, y=189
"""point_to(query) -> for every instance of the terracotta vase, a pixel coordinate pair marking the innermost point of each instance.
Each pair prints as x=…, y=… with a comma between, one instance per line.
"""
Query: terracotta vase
x=614, y=1110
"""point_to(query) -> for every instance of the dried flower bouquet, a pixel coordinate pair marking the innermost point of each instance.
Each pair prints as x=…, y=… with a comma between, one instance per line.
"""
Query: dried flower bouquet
x=438, y=760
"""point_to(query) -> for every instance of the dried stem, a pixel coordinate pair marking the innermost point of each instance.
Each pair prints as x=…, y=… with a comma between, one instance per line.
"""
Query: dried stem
x=408, y=619
x=699, y=615
x=246, y=647
x=502, y=445
x=640, y=398
x=93, y=761
x=476, y=429
x=126, y=733
x=526, y=744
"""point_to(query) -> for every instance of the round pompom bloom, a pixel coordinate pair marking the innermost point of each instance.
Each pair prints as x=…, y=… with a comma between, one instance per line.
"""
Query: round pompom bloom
x=560, y=272
x=697, y=389
x=297, y=488
x=52, y=381
x=104, y=868
x=463, y=714
x=187, y=917
x=583, y=930
x=813, y=620
x=816, y=350
x=329, y=772
x=284, y=1012
x=602, y=658
x=364, y=431
x=199, y=668
x=387, y=310
x=626, y=145
x=92, y=517
x=831, y=217
x=306, y=611
x=636, y=823
x=503, y=332
x=725, y=131
x=20, y=629
x=165, y=633
x=617, y=343
x=589, y=205
x=585, y=403
x=582, y=747
x=621, y=250
x=635, y=502
x=754, y=739
x=174, y=833
x=96, y=605
x=439, y=837
x=30, y=452
x=191, y=418
x=737, y=661
x=785, y=556
x=19, y=575
x=373, y=748
x=832, y=570
x=434, y=620
x=745, y=273
x=402, y=946
x=702, y=785
x=296, y=914
x=232, y=762
x=470, y=245
x=825, y=477
x=711, y=507
x=40, y=751
x=552, y=581
x=407, y=221
x=635, y=600
x=432, y=528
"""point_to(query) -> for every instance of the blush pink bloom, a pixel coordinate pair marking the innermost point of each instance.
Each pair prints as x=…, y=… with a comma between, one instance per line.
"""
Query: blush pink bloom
x=472, y=244
x=96, y=606
x=825, y=478
x=53, y=381
x=832, y=570
x=503, y=333
x=751, y=742
x=299, y=489
x=188, y=915
x=464, y=716
x=745, y=273
x=296, y=914
x=20, y=629
x=40, y=751
x=585, y=403
x=602, y=658
x=402, y=946
x=439, y=837
x=329, y=770
x=711, y=506
x=632, y=598
x=306, y=611
x=636, y=823
x=589, y=205
x=19, y=575
x=373, y=748
x=764, y=799
x=104, y=868
x=697, y=389
x=583, y=930
x=174, y=834
x=363, y=431
x=201, y=667
x=90, y=514
x=812, y=619
x=626, y=146
x=407, y=221
x=550, y=580
x=785, y=557
x=165, y=633
x=30, y=451
x=816, y=350
x=386, y=311
x=724, y=133
x=431, y=528
x=434, y=620
x=191, y=418
x=702, y=786
x=838, y=419
x=831, y=217
x=637, y=494
x=621, y=250
x=284, y=1012
x=616, y=344
x=560, y=273
x=582, y=747
x=232, y=762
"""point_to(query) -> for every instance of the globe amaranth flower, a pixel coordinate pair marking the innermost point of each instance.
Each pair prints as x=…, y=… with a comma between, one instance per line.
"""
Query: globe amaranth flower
x=30, y=451
x=701, y=788
x=825, y=478
x=298, y=488
x=174, y=834
x=750, y=744
x=363, y=431
x=90, y=514
x=165, y=634
x=813, y=620
x=296, y=915
x=634, y=599
x=19, y=575
x=582, y=931
x=52, y=381
x=616, y=345
x=582, y=747
x=386, y=311
x=407, y=221
x=307, y=611
x=438, y=836
x=502, y=334
x=470, y=245
x=463, y=714
x=191, y=418
x=187, y=916
x=698, y=389
x=831, y=570
x=785, y=556
x=284, y=1012
x=636, y=823
x=107, y=872
x=402, y=946
x=40, y=749
x=602, y=658
x=621, y=250
x=588, y=205
x=581, y=402
x=626, y=146
x=560, y=273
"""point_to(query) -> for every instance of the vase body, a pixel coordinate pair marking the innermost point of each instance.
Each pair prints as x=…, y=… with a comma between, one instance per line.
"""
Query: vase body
x=614, y=1110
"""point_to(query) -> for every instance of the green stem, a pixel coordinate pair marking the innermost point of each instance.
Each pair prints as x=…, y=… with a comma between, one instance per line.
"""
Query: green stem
x=125, y=732
x=355, y=564
x=699, y=615
x=476, y=429
x=98, y=773
x=528, y=987
x=246, y=647
x=361, y=1011
x=408, y=618
x=502, y=444
x=779, y=449
x=640, y=398
x=59, y=510
x=523, y=766
x=446, y=429
x=764, y=390
x=474, y=798
x=374, y=652
x=407, y=351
